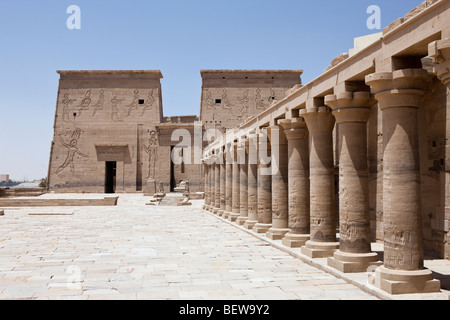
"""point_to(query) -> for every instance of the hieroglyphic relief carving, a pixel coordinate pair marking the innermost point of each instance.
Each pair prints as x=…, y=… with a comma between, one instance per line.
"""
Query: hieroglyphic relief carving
x=209, y=100
x=66, y=103
x=149, y=102
x=152, y=151
x=85, y=103
x=72, y=150
x=259, y=101
x=134, y=104
x=99, y=105
x=115, y=113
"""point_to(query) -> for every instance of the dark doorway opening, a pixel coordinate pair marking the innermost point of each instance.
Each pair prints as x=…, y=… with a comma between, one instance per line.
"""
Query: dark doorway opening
x=110, y=177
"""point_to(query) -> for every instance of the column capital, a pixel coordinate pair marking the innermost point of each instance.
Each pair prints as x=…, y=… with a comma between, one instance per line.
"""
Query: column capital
x=295, y=128
x=318, y=118
x=439, y=51
x=350, y=106
x=401, y=88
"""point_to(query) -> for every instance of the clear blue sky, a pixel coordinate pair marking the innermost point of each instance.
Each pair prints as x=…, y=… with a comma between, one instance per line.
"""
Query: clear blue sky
x=178, y=37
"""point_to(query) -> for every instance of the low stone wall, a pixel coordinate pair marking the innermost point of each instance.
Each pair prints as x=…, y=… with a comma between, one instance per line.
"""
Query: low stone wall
x=21, y=192
x=107, y=201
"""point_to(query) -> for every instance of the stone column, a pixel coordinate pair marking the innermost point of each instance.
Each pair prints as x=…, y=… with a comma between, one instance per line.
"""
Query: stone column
x=264, y=184
x=212, y=184
x=399, y=97
x=252, y=181
x=235, y=213
x=351, y=111
x=217, y=184
x=243, y=182
x=322, y=242
x=206, y=171
x=222, y=187
x=228, y=183
x=439, y=51
x=280, y=207
x=298, y=171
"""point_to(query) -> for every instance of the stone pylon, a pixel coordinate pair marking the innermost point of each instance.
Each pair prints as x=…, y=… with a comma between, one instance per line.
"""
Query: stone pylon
x=252, y=181
x=399, y=96
x=323, y=241
x=243, y=181
x=298, y=184
x=264, y=183
x=280, y=207
x=235, y=213
x=352, y=111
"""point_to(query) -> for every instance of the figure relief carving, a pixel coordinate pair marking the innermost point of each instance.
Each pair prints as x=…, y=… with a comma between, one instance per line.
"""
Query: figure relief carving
x=260, y=105
x=134, y=104
x=225, y=102
x=149, y=102
x=72, y=151
x=209, y=100
x=99, y=105
x=66, y=101
x=244, y=100
x=85, y=103
x=272, y=96
x=115, y=113
x=152, y=151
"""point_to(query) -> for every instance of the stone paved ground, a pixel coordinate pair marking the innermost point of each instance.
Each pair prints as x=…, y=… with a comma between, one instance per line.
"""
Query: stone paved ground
x=133, y=251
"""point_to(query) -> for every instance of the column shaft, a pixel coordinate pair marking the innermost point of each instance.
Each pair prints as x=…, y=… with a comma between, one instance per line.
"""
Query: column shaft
x=222, y=189
x=264, y=185
x=298, y=182
x=243, y=183
x=399, y=96
x=280, y=207
x=323, y=243
x=252, y=182
x=352, y=111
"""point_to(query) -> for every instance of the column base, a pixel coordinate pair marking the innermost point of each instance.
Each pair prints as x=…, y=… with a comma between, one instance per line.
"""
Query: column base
x=233, y=216
x=261, y=227
x=220, y=212
x=315, y=249
x=354, y=262
x=215, y=210
x=277, y=233
x=293, y=240
x=404, y=282
x=241, y=220
x=249, y=224
x=226, y=214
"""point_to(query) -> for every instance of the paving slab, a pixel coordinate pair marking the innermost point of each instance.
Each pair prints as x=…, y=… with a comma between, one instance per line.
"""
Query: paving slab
x=134, y=251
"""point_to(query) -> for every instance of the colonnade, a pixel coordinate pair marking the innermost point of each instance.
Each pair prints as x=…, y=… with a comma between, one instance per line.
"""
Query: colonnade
x=281, y=181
